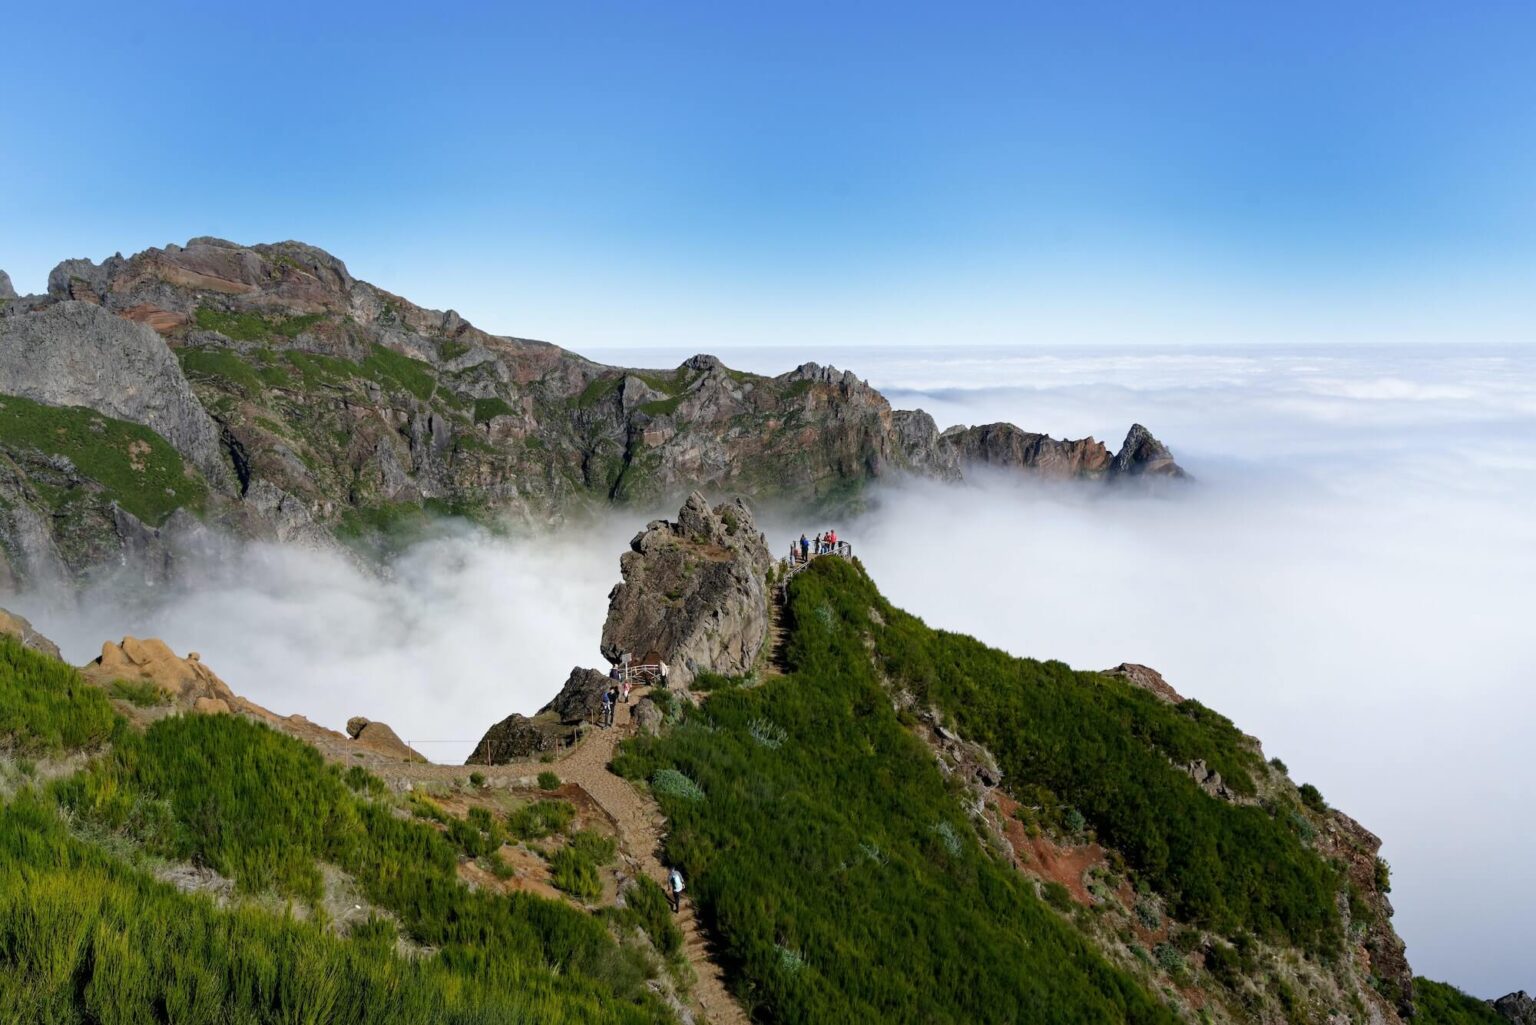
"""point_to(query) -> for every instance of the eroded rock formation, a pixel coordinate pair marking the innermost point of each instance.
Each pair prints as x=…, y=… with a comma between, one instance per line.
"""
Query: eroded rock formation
x=694, y=591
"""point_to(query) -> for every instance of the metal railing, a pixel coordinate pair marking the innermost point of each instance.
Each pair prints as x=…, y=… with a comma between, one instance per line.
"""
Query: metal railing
x=842, y=549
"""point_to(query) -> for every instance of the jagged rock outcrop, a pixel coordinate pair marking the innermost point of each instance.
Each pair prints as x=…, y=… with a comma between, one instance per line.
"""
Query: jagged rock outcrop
x=1146, y=678
x=1004, y=446
x=314, y=402
x=7, y=290
x=1516, y=1008
x=1357, y=850
x=1144, y=456
x=581, y=699
x=19, y=628
x=694, y=591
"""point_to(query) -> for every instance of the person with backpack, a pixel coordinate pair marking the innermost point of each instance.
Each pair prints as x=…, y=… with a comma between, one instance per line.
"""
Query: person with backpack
x=675, y=889
x=805, y=548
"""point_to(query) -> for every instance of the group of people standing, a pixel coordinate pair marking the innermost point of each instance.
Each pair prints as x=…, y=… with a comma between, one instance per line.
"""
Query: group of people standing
x=805, y=548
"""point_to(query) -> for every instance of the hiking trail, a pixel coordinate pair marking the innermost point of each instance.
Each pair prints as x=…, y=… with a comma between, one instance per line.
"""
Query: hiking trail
x=640, y=826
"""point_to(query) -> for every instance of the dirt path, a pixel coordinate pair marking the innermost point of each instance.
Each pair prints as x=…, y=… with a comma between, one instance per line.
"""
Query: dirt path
x=640, y=825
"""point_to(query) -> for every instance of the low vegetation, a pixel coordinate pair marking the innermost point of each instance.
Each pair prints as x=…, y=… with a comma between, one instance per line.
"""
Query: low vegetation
x=87, y=935
x=1437, y=1003
x=1096, y=751
x=840, y=871
x=45, y=707
x=135, y=466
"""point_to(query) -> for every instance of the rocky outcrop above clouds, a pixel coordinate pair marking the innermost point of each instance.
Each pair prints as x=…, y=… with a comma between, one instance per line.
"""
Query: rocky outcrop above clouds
x=694, y=592
x=314, y=402
x=1006, y=447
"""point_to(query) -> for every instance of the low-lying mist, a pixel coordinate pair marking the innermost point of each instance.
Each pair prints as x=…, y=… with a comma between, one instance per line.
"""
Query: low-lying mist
x=457, y=632
x=1351, y=579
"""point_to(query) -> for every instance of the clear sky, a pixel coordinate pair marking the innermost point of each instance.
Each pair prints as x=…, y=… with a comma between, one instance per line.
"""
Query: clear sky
x=709, y=175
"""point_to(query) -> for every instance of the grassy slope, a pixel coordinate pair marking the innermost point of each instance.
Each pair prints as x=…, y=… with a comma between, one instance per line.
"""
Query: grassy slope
x=135, y=466
x=830, y=854
x=1440, y=1004
x=1067, y=739
x=86, y=935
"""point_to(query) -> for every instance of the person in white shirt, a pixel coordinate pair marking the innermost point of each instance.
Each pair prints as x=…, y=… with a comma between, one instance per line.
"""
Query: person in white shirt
x=675, y=887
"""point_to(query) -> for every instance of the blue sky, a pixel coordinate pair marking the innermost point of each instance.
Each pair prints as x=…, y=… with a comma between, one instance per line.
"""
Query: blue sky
x=791, y=174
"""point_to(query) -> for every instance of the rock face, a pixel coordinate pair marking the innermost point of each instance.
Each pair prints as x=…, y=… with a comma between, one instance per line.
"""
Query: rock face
x=1516, y=1008
x=1005, y=446
x=312, y=400
x=77, y=354
x=513, y=739
x=581, y=699
x=1144, y=456
x=7, y=290
x=694, y=591
x=19, y=628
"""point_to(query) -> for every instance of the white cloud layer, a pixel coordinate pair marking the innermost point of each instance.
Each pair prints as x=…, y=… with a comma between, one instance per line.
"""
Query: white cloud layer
x=1352, y=580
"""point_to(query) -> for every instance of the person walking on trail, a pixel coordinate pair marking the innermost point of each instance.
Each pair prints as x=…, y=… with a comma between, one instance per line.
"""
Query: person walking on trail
x=624, y=686
x=675, y=889
x=605, y=715
x=613, y=701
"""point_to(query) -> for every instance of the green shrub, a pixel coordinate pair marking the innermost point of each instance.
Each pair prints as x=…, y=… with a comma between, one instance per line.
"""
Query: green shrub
x=45, y=705
x=539, y=819
x=396, y=370
x=574, y=867
x=1058, y=896
x=477, y=779
x=673, y=783
x=1278, y=765
x=143, y=693
x=548, y=780
x=1436, y=1003
x=1312, y=797
x=647, y=907
x=489, y=409
x=1383, y=875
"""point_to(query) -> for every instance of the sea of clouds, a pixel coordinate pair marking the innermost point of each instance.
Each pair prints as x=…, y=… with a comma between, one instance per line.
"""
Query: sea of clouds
x=1352, y=578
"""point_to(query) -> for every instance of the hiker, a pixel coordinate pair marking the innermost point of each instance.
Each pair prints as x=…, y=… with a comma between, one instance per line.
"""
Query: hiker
x=819, y=548
x=624, y=686
x=613, y=701
x=664, y=672
x=675, y=889
x=805, y=548
x=792, y=552
x=831, y=540
x=605, y=715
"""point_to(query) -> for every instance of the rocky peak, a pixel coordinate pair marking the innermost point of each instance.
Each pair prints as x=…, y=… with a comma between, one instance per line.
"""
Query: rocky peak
x=1142, y=455
x=7, y=290
x=694, y=592
x=1517, y=1008
x=19, y=628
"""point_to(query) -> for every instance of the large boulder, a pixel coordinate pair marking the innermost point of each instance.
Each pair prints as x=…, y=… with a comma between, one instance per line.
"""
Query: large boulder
x=185, y=680
x=513, y=739
x=78, y=354
x=7, y=290
x=581, y=699
x=694, y=591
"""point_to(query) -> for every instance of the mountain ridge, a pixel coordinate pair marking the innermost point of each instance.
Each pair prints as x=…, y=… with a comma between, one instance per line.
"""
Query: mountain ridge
x=310, y=405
